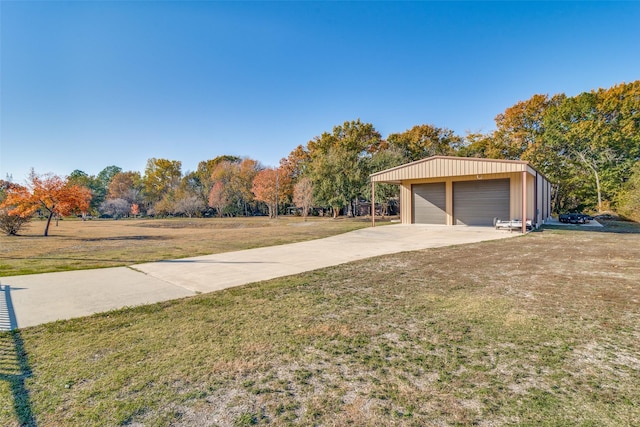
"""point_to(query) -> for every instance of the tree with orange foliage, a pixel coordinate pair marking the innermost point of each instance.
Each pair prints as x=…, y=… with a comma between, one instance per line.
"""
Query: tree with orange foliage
x=231, y=186
x=135, y=210
x=270, y=186
x=218, y=198
x=10, y=224
x=296, y=163
x=49, y=193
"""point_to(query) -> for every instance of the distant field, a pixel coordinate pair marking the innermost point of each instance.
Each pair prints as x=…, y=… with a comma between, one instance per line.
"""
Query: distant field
x=75, y=244
x=542, y=329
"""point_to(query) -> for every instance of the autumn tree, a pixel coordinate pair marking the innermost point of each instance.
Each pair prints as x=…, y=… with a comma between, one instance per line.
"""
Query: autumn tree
x=199, y=182
x=303, y=195
x=426, y=140
x=232, y=182
x=127, y=186
x=49, y=193
x=218, y=198
x=10, y=224
x=161, y=179
x=520, y=128
x=124, y=191
x=270, y=187
x=295, y=165
x=242, y=181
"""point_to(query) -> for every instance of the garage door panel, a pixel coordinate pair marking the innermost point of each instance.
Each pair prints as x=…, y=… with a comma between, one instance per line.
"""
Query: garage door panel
x=429, y=203
x=479, y=202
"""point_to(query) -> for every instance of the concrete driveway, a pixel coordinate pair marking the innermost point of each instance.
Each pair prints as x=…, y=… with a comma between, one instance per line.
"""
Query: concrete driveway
x=35, y=299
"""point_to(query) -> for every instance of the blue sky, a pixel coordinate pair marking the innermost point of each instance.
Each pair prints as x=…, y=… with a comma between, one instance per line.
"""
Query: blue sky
x=88, y=84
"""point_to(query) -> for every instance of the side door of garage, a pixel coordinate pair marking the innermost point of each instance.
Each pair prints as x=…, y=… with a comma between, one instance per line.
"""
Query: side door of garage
x=429, y=203
x=479, y=202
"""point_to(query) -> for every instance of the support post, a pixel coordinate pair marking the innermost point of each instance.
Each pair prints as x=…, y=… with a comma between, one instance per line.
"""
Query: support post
x=449, y=202
x=524, y=202
x=373, y=203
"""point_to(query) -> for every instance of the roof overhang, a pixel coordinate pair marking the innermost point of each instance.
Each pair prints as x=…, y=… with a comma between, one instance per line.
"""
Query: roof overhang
x=448, y=166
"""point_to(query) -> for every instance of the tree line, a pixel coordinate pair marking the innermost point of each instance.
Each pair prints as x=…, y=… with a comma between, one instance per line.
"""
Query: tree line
x=587, y=145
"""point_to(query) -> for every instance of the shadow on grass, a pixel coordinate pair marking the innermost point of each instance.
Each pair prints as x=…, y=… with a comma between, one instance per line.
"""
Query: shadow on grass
x=14, y=364
x=53, y=236
x=61, y=258
x=124, y=238
x=200, y=261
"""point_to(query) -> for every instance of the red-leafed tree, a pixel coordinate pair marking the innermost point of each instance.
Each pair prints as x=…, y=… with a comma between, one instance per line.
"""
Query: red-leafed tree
x=49, y=193
x=270, y=186
x=218, y=198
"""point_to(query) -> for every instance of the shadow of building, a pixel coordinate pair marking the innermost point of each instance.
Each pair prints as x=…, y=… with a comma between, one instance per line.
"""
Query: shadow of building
x=14, y=363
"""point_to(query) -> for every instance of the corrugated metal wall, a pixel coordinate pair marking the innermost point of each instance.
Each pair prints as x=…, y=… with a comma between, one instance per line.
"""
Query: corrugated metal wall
x=448, y=170
x=448, y=167
x=479, y=202
x=429, y=203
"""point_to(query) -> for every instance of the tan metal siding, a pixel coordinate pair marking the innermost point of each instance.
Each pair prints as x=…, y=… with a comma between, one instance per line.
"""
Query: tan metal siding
x=448, y=167
x=515, y=202
x=540, y=199
x=532, y=192
x=550, y=189
x=530, y=196
x=405, y=204
x=451, y=169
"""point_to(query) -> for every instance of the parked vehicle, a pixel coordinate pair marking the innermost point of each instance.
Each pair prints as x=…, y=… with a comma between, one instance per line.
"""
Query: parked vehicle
x=585, y=217
x=575, y=218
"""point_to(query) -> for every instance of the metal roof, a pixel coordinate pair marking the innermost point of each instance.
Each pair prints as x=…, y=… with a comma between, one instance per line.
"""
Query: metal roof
x=448, y=166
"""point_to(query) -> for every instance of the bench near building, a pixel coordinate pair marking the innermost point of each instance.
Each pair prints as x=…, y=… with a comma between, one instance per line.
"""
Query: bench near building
x=469, y=191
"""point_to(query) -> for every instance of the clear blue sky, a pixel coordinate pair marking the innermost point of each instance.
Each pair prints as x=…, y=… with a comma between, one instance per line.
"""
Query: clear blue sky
x=88, y=84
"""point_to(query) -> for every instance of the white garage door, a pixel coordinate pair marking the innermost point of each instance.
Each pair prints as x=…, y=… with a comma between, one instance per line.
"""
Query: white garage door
x=429, y=203
x=479, y=202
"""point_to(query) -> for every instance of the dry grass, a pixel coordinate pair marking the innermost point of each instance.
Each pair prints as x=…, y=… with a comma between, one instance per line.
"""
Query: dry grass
x=74, y=245
x=537, y=330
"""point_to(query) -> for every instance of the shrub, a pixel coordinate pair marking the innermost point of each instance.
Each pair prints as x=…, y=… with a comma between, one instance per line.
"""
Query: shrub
x=11, y=224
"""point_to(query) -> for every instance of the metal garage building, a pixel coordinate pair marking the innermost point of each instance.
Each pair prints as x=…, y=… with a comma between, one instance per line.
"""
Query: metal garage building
x=468, y=191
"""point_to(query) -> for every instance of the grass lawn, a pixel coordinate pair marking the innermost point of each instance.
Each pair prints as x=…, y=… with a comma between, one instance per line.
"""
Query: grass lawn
x=542, y=329
x=75, y=244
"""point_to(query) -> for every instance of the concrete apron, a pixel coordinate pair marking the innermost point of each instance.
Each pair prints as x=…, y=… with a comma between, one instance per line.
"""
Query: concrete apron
x=42, y=298
x=48, y=297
